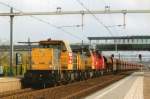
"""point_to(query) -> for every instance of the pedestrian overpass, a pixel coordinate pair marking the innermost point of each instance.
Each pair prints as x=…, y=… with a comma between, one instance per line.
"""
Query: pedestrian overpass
x=122, y=43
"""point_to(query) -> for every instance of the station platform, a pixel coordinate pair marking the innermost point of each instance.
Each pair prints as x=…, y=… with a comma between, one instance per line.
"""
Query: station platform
x=135, y=86
x=9, y=83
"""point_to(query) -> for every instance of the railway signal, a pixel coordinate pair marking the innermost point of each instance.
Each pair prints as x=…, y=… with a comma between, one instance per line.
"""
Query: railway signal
x=140, y=57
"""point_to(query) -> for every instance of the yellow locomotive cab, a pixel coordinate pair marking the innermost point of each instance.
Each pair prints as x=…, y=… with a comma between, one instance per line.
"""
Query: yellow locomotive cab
x=52, y=55
x=42, y=59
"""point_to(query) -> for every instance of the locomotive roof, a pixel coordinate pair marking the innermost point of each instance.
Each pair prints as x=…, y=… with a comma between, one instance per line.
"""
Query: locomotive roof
x=47, y=42
x=56, y=42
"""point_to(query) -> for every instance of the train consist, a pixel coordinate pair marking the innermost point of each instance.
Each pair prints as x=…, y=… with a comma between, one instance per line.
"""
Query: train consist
x=54, y=62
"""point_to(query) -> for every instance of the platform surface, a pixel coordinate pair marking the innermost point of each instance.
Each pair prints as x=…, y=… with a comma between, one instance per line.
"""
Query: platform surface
x=131, y=87
x=8, y=79
x=9, y=84
x=147, y=85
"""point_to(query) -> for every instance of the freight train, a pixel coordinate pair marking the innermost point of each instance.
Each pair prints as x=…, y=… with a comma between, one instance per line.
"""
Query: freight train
x=55, y=62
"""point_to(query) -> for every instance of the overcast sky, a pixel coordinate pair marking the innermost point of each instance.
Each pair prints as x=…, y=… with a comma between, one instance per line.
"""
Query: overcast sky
x=24, y=27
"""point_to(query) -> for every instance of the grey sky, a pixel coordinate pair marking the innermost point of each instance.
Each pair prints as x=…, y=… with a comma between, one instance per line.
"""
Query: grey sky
x=24, y=27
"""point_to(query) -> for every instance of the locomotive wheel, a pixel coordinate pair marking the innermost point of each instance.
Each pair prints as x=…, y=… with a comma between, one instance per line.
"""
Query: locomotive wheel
x=82, y=75
x=68, y=76
x=102, y=72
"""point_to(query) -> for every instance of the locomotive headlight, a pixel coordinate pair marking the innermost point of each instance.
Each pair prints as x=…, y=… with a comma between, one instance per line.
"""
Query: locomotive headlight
x=70, y=58
x=41, y=75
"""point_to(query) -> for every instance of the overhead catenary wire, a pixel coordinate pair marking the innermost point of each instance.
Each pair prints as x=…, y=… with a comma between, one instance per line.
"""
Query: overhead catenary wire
x=59, y=28
x=43, y=21
x=95, y=17
x=7, y=5
x=106, y=3
x=115, y=26
x=123, y=30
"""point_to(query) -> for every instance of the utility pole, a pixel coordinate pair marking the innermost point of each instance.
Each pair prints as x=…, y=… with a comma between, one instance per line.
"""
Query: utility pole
x=11, y=41
x=124, y=20
x=82, y=20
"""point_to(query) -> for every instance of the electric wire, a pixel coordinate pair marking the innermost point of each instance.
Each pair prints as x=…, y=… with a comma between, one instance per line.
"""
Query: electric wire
x=43, y=21
x=95, y=17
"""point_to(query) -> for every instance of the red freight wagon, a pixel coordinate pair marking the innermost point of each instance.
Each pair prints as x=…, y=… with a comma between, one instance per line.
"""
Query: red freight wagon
x=98, y=60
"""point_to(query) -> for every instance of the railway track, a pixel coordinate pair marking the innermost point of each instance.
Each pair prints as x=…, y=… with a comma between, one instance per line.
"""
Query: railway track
x=70, y=91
